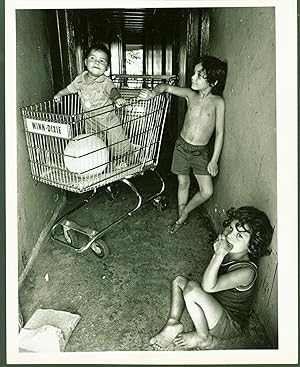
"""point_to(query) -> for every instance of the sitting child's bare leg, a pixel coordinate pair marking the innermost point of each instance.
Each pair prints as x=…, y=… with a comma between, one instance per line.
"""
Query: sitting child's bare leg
x=204, y=311
x=168, y=334
x=173, y=326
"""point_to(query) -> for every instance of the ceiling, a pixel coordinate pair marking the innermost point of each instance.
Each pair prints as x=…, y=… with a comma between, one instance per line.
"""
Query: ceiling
x=137, y=20
x=133, y=20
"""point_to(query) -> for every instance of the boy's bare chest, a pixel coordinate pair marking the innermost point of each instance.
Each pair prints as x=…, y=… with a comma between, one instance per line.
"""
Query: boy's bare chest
x=201, y=109
x=200, y=116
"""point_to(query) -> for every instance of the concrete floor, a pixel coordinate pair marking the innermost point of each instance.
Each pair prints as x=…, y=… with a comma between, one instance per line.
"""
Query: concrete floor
x=124, y=299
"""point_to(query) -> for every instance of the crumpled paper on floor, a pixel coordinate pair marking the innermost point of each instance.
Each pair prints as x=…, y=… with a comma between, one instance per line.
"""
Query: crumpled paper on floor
x=47, y=331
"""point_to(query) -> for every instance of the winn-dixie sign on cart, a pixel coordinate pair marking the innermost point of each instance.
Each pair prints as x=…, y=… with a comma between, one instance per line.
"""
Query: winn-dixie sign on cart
x=48, y=128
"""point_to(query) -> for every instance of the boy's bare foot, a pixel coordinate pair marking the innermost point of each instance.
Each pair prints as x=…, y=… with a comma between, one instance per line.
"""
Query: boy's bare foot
x=175, y=227
x=167, y=335
x=193, y=340
x=181, y=209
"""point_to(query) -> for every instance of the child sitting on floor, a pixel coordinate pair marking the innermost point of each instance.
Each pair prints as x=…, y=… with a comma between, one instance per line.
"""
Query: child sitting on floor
x=220, y=306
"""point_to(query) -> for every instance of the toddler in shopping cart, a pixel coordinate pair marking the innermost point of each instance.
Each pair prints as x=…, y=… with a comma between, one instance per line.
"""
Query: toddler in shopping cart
x=219, y=306
x=203, y=118
x=97, y=94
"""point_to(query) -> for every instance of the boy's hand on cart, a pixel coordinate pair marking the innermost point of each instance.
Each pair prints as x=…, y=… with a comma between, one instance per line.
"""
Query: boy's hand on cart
x=146, y=94
x=120, y=102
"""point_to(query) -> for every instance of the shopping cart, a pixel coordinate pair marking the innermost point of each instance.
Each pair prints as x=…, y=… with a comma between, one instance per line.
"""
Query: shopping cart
x=80, y=151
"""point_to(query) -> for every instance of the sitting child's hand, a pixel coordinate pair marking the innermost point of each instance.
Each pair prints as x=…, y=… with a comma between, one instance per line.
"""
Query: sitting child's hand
x=221, y=246
x=120, y=102
x=146, y=94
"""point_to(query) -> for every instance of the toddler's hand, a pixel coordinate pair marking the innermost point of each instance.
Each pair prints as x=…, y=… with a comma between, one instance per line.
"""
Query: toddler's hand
x=57, y=98
x=212, y=168
x=146, y=94
x=221, y=246
x=120, y=102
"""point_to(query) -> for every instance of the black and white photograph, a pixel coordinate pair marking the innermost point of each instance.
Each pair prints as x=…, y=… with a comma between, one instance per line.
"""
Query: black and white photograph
x=151, y=182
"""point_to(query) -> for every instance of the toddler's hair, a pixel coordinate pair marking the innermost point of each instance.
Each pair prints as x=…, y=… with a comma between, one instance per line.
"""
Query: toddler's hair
x=216, y=70
x=99, y=47
x=260, y=227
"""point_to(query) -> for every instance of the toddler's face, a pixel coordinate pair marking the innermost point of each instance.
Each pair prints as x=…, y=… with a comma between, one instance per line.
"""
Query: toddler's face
x=96, y=63
x=237, y=236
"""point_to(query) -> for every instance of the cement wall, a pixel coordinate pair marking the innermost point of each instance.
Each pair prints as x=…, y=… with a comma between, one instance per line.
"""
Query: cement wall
x=246, y=38
x=36, y=201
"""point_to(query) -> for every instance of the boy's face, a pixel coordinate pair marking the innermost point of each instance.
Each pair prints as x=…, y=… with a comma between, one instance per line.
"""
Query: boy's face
x=238, y=236
x=96, y=63
x=199, y=81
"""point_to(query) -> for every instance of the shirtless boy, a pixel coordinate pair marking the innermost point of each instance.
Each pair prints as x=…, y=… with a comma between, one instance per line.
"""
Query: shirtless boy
x=204, y=116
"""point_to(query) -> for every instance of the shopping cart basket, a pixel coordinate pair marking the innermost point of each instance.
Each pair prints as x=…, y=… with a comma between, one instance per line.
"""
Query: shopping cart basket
x=82, y=151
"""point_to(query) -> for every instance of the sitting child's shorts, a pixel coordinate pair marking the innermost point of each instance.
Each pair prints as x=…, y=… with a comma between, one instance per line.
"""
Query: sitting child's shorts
x=226, y=327
x=187, y=156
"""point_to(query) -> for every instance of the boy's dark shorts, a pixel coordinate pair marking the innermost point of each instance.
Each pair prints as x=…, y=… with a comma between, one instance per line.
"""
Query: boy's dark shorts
x=226, y=327
x=187, y=156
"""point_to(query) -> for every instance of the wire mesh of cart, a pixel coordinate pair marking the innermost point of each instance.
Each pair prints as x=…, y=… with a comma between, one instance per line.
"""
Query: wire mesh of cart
x=80, y=151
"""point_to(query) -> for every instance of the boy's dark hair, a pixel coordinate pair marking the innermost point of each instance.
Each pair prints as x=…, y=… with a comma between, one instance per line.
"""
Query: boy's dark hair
x=216, y=70
x=260, y=227
x=99, y=47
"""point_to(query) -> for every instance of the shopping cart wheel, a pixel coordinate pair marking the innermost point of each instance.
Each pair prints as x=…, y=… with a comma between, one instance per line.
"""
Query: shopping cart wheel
x=161, y=202
x=100, y=248
x=70, y=236
x=113, y=191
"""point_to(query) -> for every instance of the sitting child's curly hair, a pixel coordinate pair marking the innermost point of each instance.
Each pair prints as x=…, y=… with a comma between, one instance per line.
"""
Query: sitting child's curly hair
x=260, y=228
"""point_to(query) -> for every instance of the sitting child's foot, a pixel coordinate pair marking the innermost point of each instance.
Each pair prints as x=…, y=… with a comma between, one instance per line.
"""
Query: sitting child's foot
x=167, y=335
x=175, y=227
x=193, y=340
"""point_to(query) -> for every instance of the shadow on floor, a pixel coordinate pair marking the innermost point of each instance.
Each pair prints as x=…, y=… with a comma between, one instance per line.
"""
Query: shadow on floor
x=124, y=299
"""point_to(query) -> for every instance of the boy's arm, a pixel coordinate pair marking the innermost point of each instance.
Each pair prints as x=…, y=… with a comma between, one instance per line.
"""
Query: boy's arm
x=213, y=282
x=160, y=88
x=61, y=93
x=219, y=138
